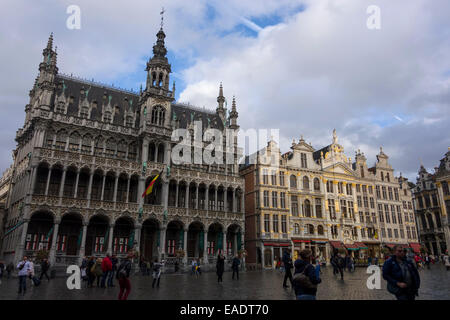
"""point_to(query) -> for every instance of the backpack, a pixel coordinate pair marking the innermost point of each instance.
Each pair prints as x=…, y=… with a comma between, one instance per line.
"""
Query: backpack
x=122, y=271
x=303, y=281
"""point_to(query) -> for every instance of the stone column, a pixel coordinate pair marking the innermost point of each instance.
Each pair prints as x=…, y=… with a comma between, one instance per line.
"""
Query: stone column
x=216, y=202
x=63, y=181
x=103, y=186
x=156, y=152
x=110, y=239
x=205, y=247
x=185, y=246
x=33, y=179
x=128, y=189
x=235, y=243
x=91, y=176
x=242, y=202
x=137, y=236
x=187, y=197
x=23, y=237
x=196, y=197
x=53, y=246
x=116, y=182
x=48, y=181
x=224, y=245
x=262, y=256
x=76, y=184
x=176, y=195
x=233, y=200
x=162, y=241
x=83, y=243
x=207, y=198
x=272, y=257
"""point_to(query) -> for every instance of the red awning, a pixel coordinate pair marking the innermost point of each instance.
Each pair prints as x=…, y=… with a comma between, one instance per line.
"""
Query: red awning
x=351, y=246
x=275, y=244
x=337, y=244
x=361, y=245
x=298, y=241
x=390, y=245
x=415, y=247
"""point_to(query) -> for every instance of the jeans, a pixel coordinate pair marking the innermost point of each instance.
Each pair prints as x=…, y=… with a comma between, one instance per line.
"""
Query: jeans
x=22, y=284
x=156, y=280
x=287, y=275
x=110, y=278
x=306, y=297
x=125, y=288
x=104, y=276
x=237, y=273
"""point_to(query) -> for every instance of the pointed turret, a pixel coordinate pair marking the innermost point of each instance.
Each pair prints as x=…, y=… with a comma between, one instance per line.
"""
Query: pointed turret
x=234, y=115
x=221, y=100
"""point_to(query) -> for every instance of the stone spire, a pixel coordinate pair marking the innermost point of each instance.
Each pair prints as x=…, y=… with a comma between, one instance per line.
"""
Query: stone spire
x=221, y=100
x=234, y=115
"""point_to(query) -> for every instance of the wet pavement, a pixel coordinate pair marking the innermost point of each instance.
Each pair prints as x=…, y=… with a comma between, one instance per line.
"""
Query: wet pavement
x=254, y=285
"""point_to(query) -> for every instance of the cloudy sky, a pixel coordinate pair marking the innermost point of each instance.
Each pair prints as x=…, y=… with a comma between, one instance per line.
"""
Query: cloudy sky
x=304, y=67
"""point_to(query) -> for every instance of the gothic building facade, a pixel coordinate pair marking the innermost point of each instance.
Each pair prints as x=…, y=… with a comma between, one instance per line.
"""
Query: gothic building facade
x=86, y=154
x=324, y=201
x=432, y=205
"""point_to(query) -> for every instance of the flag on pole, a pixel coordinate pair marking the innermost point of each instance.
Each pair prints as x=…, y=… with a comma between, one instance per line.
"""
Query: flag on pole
x=49, y=234
x=150, y=186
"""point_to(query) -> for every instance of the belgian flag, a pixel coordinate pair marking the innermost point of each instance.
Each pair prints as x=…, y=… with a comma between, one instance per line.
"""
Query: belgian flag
x=150, y=186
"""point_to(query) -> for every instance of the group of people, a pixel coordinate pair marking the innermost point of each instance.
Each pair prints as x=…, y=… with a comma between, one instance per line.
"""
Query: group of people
x=220, y=267
x=341, y=263
x=25, y=270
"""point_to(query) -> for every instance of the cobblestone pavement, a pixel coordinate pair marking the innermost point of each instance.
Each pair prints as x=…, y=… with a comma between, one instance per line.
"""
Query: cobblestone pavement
x=255, y=285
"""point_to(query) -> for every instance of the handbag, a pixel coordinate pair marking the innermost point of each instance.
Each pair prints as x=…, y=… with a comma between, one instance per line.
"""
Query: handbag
x=303, y=280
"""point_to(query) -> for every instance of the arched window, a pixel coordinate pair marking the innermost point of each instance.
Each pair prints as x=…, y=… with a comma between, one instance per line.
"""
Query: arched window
x=61, y=138
x=318, y=208
x=296, y=229
x=158, y=115
x=309, y=229
x=129, y=122
x=49, y=135
x=293, y=181
x=307, y=208
x=86, y=144
x=316, y=184
x=107, y=117
x=84, y=112
x=305, y=183
x=320, y=231
x=74, y=141
x=110, y=147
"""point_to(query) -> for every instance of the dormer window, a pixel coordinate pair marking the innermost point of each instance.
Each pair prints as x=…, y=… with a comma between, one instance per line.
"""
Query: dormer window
x=61, y=107
x=303, y=160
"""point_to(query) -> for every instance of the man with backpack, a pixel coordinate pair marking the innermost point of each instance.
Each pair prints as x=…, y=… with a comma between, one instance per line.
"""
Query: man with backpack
x=306, y=277
x=24, y=269
x=123, y=274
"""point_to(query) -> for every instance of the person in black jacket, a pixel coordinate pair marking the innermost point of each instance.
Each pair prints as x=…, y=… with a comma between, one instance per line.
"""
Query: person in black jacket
x=235, y=266
x=340, y=262
x=45, y=265
x=220, y=267
x=306, y=287
x=287, y=261
x=402, y=276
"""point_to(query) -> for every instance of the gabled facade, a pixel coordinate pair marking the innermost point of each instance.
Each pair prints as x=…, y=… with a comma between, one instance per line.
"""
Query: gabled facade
x=326, y=200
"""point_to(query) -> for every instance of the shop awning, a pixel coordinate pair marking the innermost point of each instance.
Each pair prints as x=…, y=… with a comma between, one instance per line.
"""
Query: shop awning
x=415, y=247
x=389, y=245
x=319, y=242
x=277, y=244
x=299, y=241
x=362, y=245
x=352, y=246
x=337, y=244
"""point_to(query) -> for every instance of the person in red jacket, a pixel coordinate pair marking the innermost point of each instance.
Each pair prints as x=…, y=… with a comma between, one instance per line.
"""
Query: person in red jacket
x=106, y=268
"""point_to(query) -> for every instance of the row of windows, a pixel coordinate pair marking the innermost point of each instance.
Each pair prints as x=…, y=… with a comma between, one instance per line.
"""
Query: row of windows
x=275, y=223
x=428, y=201
x=309, y=230
x=399, y=233
x=387, y=194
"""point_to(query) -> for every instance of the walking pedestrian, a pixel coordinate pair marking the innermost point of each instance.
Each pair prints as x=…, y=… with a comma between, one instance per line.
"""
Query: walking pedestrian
x=98, y=270
x=45, y=265
x=90, y=270
x=83, y=269
x=340, y=262
x=123, y=275
x=306, y=277
x=402, y=276
x=114, y=262
x=427, y=261
x=333, y=262
x=235, y=266
x=156, y=273
x=24, y=268
x=447, y=261
x=220, y=267
x=9, y=269
x=193, y=266
x=287, y=261
x=106, y=268
x=31, y=272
